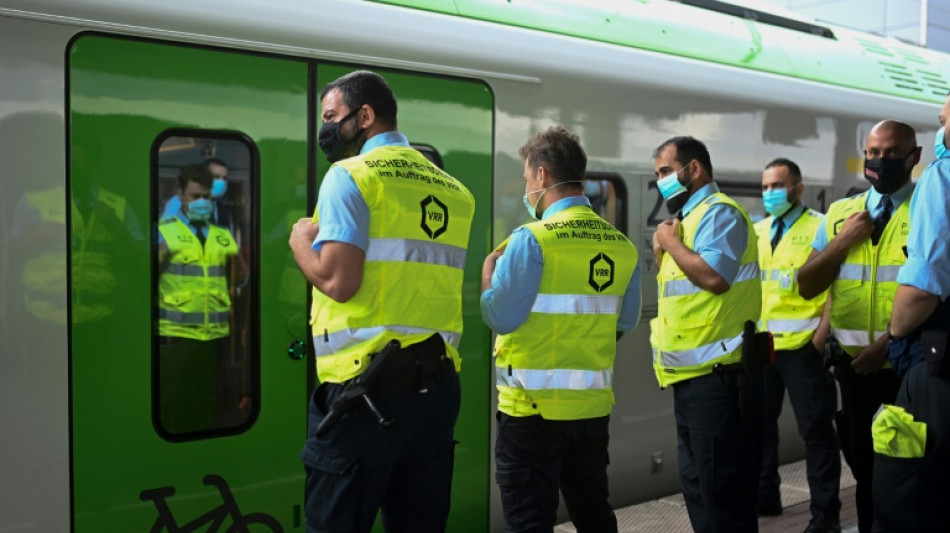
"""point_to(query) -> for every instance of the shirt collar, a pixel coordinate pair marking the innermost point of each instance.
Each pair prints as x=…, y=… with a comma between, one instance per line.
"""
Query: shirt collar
x=789, y=217
x=386, y=138
x=897, y=198
x=565, y=203
x=704, y=192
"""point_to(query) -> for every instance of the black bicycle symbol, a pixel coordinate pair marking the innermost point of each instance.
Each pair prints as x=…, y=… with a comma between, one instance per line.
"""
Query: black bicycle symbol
x=213, y=519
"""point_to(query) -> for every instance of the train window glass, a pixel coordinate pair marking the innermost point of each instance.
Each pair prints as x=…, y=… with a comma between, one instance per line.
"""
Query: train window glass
x=204, y=362
x=608, y=197
x=430, y=153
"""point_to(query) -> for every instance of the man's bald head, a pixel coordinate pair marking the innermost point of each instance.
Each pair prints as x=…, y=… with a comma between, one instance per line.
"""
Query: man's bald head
x=890, y=154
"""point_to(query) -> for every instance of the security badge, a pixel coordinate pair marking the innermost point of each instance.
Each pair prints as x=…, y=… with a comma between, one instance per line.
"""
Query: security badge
x=786, y=279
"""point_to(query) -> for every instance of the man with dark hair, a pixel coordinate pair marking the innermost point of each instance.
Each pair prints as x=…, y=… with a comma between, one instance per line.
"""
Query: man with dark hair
x=708, y=289
x=194, y=306
x=559, y=292
x=799, y=328
x=857, y=252
x=383, y=283
x=221, y=214
x=912, y=459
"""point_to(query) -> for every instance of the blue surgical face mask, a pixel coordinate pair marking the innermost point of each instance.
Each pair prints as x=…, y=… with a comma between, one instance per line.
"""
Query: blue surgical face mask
x=940, y=144
x=533, y=209
x=776, y=201
x=219, y=187
x=199, y=210
x=670, y=186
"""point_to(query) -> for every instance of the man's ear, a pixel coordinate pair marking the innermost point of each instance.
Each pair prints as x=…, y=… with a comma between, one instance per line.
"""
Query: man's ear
x=544, y=178
x=366, y=117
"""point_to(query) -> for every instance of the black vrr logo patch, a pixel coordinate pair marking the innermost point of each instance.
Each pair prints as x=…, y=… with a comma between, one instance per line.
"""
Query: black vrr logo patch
x=435, y=216
x=601, y=272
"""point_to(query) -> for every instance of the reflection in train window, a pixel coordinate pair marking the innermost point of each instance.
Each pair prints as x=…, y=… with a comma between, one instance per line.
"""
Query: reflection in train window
x=429, y=152
x=204, y=362
x=608, y=197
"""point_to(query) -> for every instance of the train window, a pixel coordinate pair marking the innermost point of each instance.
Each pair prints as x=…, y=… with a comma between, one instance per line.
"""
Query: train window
x=429, y=152
x=608, y=197
x=204, y=361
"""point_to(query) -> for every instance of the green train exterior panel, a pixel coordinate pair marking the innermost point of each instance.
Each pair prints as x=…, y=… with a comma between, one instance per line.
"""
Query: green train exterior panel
x=853, y=59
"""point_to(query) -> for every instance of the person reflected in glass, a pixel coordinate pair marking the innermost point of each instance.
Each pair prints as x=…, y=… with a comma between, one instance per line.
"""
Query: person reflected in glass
x=194, y=305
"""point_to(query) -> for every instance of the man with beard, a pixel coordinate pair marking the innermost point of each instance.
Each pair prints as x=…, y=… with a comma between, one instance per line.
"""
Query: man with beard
x=799, y=332
x=911, y=468
x=708, y=289
x=380, y=276
x=858, y=250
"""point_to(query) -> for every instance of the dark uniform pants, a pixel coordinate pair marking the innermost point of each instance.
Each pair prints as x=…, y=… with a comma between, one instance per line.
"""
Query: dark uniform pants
x=355, y=469
x=535, y=457
x=861, y=397
x=912, y=494
x=814, y=399
x=719, y=452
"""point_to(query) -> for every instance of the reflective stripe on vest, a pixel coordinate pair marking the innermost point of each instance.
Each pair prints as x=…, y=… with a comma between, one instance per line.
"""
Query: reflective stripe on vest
x=702, y=355
x=683, y=287
x=194, y=270
x=550, y=379
x=332, y=343
x=193, y=318
x=862, y=293
x=559, y=362
x=576, y=303
x=852, y=272
x=791, y=324
x=419, y=223
x=417, y=251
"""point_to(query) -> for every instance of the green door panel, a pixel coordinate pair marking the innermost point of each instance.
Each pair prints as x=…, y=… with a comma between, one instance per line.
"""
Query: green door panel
x=456, y=117
x=122, y=95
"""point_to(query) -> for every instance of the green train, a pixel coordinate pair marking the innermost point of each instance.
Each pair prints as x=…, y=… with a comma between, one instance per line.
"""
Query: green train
x=102, y=102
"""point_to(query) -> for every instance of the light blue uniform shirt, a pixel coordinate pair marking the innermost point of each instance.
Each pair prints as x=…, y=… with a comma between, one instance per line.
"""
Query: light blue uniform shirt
x=517, y=278
x=928, y=247
x=787, y=220
x=873, y=205
x=343, y=213
x=721, y=236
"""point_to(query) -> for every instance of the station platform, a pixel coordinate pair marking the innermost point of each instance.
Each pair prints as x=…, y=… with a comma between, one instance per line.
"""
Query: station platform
x=669, y=514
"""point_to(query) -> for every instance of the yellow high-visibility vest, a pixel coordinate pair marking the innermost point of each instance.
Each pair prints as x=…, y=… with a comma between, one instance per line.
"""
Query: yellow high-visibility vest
x=862, y=293
x=895, y=433
x=791, y=318
x=194, y=300
x=93, y=269
x=559, y=362
x=694, y=328
x=419, y=223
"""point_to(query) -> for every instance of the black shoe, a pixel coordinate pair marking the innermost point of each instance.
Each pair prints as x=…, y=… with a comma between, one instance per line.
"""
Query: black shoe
x=822, y=524
x=772, y=507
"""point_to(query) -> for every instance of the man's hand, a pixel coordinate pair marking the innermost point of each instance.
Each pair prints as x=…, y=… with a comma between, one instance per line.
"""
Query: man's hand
x=303, y=233
x=856, y=229
x=488, y=268
x=869, y=360
x=667, y=232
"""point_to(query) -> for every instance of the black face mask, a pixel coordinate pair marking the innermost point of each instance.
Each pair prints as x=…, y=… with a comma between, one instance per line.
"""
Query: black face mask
x=887, y=174
x=332, y=142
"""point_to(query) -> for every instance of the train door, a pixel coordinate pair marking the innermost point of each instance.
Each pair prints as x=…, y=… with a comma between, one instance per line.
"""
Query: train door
x=453, y=120
x=188, y=393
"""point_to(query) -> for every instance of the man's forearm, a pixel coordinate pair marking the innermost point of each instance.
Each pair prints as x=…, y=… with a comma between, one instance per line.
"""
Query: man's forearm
x=697, y=270
x=912, y=307
x=819, y=272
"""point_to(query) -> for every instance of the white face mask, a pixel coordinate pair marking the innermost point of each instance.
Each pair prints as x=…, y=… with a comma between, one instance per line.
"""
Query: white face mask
x=533, y=209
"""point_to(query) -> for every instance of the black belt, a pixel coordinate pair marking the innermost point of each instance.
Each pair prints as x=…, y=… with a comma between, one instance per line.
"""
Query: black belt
x=418, y=368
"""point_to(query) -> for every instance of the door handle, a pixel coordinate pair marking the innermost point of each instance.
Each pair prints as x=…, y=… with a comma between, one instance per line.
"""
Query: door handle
x=297, y=350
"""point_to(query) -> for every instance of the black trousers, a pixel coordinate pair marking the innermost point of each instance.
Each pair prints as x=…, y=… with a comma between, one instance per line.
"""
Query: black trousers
x=814, y=399
x=355, y=469
x=912, y=494
x=535, y=457
x=719, y=451
x=861, y=396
